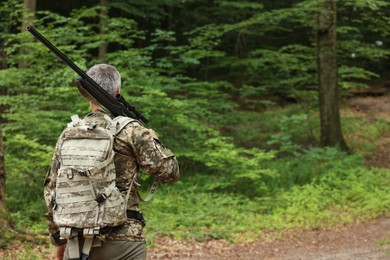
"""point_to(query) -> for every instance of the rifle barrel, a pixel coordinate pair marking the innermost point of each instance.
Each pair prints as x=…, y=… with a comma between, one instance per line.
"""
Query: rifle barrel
x=118, y=108
x=56, y=51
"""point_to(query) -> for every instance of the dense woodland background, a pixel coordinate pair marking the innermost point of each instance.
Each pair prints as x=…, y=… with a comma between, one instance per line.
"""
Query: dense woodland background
x=239, y=90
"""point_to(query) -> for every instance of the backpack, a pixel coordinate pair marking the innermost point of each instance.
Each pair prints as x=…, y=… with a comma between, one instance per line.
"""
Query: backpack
x=86, y=197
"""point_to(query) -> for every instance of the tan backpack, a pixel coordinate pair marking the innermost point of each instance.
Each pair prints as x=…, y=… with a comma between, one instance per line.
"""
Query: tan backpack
x=86, y=196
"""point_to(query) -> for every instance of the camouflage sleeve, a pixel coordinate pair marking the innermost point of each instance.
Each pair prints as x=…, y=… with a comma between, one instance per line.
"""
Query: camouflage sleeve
x=49, y=187
x=151, y=155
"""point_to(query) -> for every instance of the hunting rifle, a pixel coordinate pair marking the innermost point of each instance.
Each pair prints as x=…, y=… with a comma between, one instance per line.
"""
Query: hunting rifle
x=89, y=88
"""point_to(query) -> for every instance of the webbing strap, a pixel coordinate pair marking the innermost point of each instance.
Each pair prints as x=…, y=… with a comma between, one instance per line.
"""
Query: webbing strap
x=84, y=198
x=109, y=189
x=111, y=125
x=101, y=165
x=79, y=188
x=73, y=243
x=97, y=153
x=121, y=122
x=62, y=210
x=79, y=177
x=65, y=232
x=151, y=193
x=110, y=167
x=75, y=121
x=131, y=187
x=72, y=236
x=92, y=171
x=81, y=162
x=113, y=204
x=91, y=206
x=86, y=248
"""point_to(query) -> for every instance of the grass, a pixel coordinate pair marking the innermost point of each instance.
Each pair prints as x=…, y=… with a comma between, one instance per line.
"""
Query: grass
x=383, y=242
x=314, y=187
x=311, y=187
x=27, y=251
x=339, y=196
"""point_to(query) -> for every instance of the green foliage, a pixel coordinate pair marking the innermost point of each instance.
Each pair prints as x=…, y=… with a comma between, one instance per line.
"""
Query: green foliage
x=288, y=128
x=349, y=76
x=364, y=135
x=239, y=170
x=341, y=195
x=345, y=192
x=25, y=171
x=195, y=76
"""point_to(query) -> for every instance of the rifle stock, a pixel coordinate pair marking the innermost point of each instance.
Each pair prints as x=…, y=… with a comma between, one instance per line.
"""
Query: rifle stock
x=89, y=88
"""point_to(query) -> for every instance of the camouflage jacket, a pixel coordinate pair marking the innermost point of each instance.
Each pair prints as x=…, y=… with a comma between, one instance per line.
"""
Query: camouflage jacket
x=134, y=148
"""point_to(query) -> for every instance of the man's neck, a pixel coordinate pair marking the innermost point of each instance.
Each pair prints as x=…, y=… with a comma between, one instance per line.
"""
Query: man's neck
x=94, y=107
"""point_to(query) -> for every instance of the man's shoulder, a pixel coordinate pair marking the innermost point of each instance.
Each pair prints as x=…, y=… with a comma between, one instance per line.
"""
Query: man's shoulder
x=97, y=117
x=131, y=126
x=123, y=121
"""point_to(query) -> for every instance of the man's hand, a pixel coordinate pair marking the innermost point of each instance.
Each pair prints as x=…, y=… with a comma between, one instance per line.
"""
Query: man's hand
x=59, y=252
x=153, y=134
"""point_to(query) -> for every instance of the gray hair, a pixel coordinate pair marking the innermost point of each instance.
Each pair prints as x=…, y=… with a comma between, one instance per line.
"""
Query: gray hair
x=106, y=76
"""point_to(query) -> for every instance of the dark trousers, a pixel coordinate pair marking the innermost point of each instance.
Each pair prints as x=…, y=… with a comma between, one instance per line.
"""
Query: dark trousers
x=116, y=250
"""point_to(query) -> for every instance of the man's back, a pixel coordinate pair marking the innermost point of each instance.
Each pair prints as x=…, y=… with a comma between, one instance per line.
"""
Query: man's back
x=134, y=148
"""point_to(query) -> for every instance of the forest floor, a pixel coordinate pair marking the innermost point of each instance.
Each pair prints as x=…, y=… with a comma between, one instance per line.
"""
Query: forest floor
x=373, y=108
x=367, y=240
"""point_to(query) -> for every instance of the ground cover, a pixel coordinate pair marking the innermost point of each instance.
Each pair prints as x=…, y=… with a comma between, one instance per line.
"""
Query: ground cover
x=310, y=216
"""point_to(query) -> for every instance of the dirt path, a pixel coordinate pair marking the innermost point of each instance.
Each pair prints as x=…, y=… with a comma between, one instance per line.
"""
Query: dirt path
x=369, y=240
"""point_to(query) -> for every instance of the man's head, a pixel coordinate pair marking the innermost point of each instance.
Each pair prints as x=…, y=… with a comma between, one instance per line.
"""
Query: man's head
x=107, y=77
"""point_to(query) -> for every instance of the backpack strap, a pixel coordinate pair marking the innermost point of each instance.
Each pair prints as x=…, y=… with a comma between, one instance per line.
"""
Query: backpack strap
x=72, y=235
x=122, y=121
x=151, y=192
x=89, y=235
x=86, y=248
x=111, y=126
x=73, y=242
x=76, y=121
x=100, y=165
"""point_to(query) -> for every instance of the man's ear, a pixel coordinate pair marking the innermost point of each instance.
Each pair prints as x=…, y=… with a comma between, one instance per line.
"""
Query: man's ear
x=118, y=91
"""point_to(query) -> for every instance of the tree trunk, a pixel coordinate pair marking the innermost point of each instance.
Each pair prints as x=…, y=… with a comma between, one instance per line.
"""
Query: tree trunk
x=29, y=7
x=103, y=24
x=331, y=133
x=4, y=218
x=3, y=61
x=2, y=174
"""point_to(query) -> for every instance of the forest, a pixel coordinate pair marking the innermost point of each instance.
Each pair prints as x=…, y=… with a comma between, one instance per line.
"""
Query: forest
x=271, y=107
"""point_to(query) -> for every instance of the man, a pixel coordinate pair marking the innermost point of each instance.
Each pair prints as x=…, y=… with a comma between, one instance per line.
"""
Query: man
x=135, y=147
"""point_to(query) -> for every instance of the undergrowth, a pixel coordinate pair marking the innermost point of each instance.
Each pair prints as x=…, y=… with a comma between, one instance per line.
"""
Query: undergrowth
x=301, y=186
x=311, y=187
x=344, y=191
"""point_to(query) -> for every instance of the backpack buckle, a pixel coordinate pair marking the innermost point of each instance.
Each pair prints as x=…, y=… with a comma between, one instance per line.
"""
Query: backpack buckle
x=91, y=232
x=69, y=174
x=91, y=127
x=85, y=173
